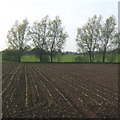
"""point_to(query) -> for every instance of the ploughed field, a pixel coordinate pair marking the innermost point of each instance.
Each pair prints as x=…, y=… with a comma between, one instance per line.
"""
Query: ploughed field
x=34, y=90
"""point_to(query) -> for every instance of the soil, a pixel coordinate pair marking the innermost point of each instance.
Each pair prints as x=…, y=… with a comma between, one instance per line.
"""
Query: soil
x=36, y=90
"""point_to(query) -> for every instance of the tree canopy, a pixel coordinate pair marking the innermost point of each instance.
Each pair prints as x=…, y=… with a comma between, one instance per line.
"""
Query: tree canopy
x=17, y=37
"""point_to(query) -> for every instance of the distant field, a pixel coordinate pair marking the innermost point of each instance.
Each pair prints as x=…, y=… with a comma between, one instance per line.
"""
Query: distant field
x=30, y=58
x=70, y=58
x=63, y=58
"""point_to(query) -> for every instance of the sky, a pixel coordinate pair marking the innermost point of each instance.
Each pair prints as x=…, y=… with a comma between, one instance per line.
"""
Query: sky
x=73, y=13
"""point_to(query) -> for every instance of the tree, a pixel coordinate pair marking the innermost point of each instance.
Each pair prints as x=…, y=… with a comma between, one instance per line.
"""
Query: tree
x=115, y=47
x=39, y=34
x=17, y=37
x=57, y=36
x=117, y=36
x=108, y=40
x=10, y=55
x=88, y=36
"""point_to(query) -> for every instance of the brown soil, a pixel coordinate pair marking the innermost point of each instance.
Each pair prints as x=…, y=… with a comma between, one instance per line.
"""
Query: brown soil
x=60, y=90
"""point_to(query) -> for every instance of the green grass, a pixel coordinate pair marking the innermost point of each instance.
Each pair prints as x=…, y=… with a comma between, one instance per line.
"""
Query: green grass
x=70, y=58
x=64, y=58
x=30, y=58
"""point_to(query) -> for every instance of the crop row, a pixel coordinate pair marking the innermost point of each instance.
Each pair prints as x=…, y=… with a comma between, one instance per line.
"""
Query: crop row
x=56, y=90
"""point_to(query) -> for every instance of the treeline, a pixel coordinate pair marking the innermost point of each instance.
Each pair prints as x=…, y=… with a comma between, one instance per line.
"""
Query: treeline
x=99, y=36
x=46, y=38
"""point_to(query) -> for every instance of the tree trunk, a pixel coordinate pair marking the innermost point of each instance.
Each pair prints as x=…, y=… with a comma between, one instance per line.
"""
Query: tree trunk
x=90, y=56
x=19, y=58
x=20, y=53
x=104, y=54
x=40, y=57
x=51, y=56
x=93, y=58
x=40, y=54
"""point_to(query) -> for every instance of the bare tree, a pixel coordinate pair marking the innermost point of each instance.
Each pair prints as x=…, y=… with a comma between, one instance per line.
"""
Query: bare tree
x=17, y=37
x=57, y=36
x=39, y=34
x=88, y=36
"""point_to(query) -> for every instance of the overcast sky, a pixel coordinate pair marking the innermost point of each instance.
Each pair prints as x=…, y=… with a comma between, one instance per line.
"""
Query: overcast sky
x=73, y=13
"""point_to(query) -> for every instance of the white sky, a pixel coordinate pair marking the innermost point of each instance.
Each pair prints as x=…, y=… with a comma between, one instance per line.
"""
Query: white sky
x=73, y=13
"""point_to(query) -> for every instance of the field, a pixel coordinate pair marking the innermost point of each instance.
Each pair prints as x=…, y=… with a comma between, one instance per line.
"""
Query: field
x=59, y=90
x=71, y=58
